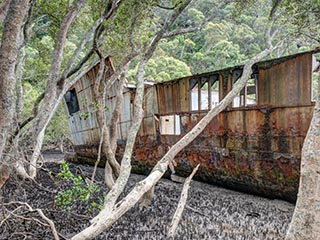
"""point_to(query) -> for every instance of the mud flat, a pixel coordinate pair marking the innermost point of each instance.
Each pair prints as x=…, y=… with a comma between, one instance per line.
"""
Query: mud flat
x=211, y=212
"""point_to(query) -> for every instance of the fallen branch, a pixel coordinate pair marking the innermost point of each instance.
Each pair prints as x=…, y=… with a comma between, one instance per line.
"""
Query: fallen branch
x=182, y=202
x=42, y=215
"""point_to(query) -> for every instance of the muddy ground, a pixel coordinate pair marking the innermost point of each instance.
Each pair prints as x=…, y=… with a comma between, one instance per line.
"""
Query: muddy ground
x=211, y=212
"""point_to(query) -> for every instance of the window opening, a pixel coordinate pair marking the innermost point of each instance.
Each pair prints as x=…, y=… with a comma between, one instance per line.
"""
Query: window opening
x=238, y=100
x=194, y=94
x=214, y=90
x=72, y=101
x=204, y=94
x=170, y=125
x=251, y=88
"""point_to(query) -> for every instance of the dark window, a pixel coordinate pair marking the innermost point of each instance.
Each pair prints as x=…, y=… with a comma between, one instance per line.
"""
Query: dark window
x=72, y=101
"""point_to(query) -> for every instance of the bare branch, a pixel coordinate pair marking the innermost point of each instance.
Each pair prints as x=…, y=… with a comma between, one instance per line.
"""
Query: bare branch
x=181, y=31
x=109, y=11
x=182, y=202
x=274, y=8
x=166, y=8
x=311, y=37
x=27, y=22
x=30, y=118
x=99, y=156
x=210, y=15
x=42, y=215
x=59, y=46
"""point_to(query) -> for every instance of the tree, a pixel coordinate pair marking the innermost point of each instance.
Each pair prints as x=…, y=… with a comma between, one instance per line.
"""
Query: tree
x=61, y=77
x=56, y=85
x=306, y=218
x=305, y=223
x=8, y=58
x=163, y=68
x=144, y=189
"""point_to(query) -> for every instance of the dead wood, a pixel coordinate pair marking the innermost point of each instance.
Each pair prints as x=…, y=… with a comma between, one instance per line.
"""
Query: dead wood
x=181, y=205
x=40, y=212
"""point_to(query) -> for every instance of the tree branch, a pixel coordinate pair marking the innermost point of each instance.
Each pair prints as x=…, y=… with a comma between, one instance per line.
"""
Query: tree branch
x=43, y=216
x=182, y=202
x=181, y=31
x=116, y=111
x=109, y=11
x=27, y=22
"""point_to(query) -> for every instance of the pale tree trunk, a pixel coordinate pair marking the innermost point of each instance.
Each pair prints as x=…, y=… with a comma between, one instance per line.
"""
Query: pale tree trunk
x=99, y=98
x=111, y=211
x=8, y=58
x=52, y=87
x=115, y=116
x=181, y=205
x=116, y=111
x=305, y=223
x=56, y=87
x=19, y=89
x=108, y=137
x=111, y=214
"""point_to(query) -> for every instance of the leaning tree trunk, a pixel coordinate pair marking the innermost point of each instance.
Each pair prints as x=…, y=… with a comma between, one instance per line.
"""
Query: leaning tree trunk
x=305, y=223
x=53, y=87
x=112, y=213
x=8, y=58
x=56, y=87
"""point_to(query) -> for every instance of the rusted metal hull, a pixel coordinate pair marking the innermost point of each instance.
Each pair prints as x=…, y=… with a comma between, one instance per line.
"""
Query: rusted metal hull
x=254, y=148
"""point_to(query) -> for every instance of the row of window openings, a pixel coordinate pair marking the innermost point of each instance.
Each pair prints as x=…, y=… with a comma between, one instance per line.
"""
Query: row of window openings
x=204, y=92
x=204, y=95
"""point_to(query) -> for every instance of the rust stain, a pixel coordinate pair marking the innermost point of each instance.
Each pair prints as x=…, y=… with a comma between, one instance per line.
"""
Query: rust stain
x=253, y=148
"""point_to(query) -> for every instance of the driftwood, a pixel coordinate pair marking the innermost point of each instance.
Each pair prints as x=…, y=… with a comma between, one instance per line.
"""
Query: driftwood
x=181, y=205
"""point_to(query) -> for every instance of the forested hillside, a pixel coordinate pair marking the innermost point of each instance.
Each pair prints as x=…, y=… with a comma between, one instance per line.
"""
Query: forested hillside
x=46, y=46
x=220, y=35
x=213, y=35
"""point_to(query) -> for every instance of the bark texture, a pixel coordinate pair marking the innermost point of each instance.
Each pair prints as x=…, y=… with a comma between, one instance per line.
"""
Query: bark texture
x=305, y=224
x=8, y=58
x=53, y=88
x=3, y=9
x=100, y=91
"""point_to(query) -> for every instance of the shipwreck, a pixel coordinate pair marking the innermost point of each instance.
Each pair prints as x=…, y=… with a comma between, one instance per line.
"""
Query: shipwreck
x=254, y=145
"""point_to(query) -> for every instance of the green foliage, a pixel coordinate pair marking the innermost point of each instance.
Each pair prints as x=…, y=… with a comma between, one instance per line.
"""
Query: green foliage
x=58, y=128
x=163, y=68
x=79, y=192
x=234, y=32
x=96, y=105
x=84, y=115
